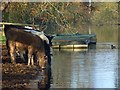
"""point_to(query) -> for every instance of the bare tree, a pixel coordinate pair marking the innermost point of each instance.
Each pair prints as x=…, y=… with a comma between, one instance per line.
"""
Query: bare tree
x=4, y=6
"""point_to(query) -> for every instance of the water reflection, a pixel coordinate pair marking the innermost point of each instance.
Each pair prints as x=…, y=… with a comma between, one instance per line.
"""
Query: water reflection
x=94, y=68
x=106, y=33
x=104, y=69
x=42, y=81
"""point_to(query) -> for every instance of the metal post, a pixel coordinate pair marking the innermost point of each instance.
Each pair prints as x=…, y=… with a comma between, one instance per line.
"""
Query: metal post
x=89, y=28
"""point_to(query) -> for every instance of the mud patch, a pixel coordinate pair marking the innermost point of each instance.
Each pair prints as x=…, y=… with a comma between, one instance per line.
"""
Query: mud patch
x=17, y=76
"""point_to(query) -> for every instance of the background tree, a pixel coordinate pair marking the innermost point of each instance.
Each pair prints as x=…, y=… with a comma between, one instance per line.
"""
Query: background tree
x=61, y=17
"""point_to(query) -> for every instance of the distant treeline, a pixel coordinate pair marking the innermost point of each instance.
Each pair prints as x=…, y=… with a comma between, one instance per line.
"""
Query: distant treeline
x=67, y=17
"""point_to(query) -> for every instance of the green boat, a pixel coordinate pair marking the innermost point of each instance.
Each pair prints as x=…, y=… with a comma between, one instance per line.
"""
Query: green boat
x=73, y=40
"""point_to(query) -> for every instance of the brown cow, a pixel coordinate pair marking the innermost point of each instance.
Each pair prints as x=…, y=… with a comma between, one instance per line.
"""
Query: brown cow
x=19, y=40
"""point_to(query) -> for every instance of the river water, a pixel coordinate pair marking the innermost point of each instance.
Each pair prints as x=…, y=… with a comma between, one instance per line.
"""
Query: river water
x=96, y=68
x=88, y=68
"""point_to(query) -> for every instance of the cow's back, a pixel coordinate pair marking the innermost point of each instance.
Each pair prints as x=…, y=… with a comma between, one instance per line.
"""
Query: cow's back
x=20, y=35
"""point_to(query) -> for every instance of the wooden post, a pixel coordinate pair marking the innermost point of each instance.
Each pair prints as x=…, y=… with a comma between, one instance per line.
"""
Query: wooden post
x=3, y=26
x=59, y=47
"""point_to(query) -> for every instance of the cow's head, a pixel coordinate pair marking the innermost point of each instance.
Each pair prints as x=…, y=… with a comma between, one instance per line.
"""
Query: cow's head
x=43, y=60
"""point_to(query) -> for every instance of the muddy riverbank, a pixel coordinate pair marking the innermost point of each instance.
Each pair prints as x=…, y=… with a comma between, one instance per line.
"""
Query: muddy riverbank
x=17, y=76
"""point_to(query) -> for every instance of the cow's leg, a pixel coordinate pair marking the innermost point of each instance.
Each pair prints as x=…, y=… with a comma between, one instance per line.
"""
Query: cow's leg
x=12, y=51
x=17, y=52
x=32, y=60
x=30, y=53
x=29, y=59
